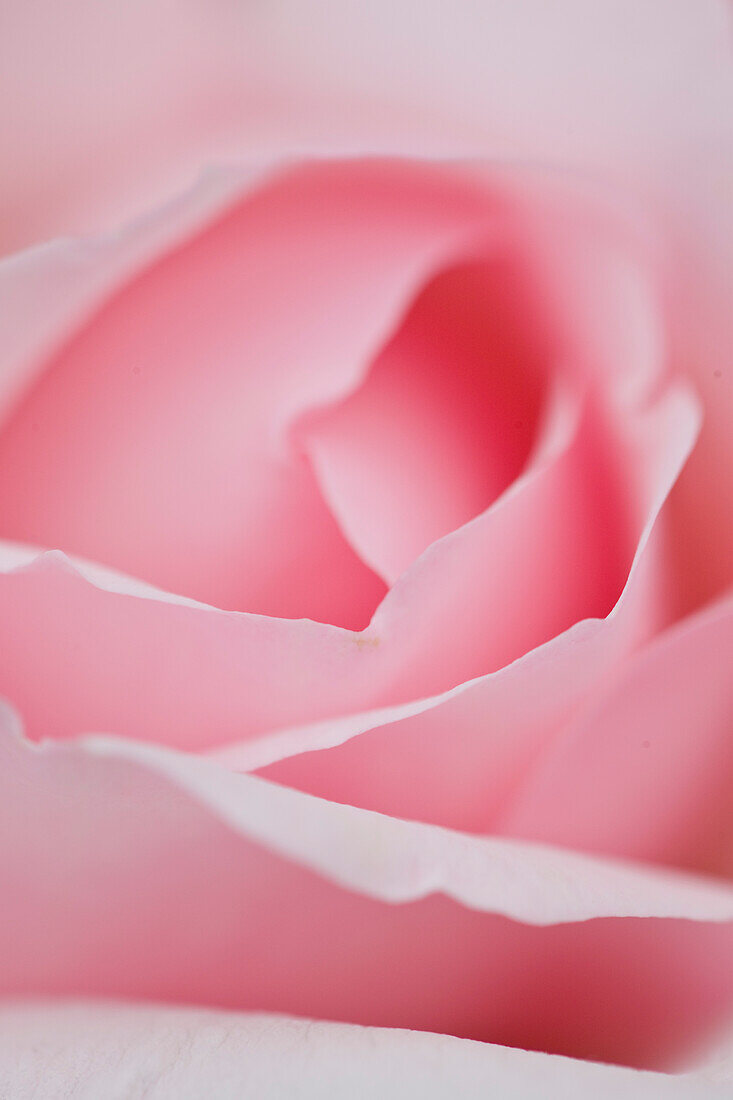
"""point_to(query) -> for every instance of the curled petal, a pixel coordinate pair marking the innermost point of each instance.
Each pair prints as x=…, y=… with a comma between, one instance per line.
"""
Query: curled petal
x=97, y=1049
x=645, y=771
x=171, y=878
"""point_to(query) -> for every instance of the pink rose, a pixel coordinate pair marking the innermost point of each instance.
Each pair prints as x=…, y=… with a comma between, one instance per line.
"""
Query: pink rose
x=365, y=613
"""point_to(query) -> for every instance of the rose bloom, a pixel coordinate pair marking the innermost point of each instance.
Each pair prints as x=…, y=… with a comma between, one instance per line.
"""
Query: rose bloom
x=366, y=485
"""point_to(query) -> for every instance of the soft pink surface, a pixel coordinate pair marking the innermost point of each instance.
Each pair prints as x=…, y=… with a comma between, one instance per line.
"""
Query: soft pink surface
x=643, y=770
x=445, y=420
x=174, y=91
x=159, y=885
x=647, y=770
x=170, y=435
x=242, y=894
x=163, y=669
x=503, y=80
x=92, y=1049
x=154, y=441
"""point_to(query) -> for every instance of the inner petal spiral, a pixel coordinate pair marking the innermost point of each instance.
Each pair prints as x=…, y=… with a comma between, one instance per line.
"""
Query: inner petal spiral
x=443, y=423
x=152, y=441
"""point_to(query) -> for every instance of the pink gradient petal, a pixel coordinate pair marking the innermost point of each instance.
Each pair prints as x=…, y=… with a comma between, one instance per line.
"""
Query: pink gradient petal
x=646, y=770
x=503, y=79
x=553, y=550
x=716, y=1061
x=153, y=441
x=92, y=1049
x=462, y=398
x=171, y=878
x=702, y=505
x=156, y=439
x=50, y=291
x=117, y=656
x=500, y=78
x=444, y=422
x=456, y=759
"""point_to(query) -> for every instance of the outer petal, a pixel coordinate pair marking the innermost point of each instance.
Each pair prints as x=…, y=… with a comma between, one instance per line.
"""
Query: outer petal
x=174, y=88
x=716, y=1063
x=647, y=770
x=702, y=504
x=170, y=878
x=85, y=1051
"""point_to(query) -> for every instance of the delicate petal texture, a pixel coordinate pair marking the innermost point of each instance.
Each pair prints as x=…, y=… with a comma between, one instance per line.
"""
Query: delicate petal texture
x=397, y=860
x=173, y=879
x=552, y=551
x=85, y=1051
x=456, y=759
x=716, y=1062
x=204, y=677
x=157, y=439
x=210, y=398
x=501, y=79
x=49, y=291
x=227, y=677
x=154, y=441
x=174, y=88
x=702, y=338
x=646, y=771
x=444, y=422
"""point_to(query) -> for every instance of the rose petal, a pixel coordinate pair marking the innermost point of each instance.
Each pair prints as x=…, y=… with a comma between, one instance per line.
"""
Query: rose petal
x=397, y=860
x=646, y=770
x=173, y=879
x=97, y=1049
x=201, y=677
x=171, y=462
x=456, y=405
x=456, y=759
x=702, y=505
x=445, y=420
x=716, y=1061
x=503, y=79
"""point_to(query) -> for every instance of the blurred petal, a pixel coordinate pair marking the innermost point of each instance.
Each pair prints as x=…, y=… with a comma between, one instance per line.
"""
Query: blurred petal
x=171, y=878
x=716, y=1062
x=175, y=86
x=646, y=771
x=86, y=1050
x=702, y=338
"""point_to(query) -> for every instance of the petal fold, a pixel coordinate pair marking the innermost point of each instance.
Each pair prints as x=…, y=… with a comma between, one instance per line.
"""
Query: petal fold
x=87, y=1050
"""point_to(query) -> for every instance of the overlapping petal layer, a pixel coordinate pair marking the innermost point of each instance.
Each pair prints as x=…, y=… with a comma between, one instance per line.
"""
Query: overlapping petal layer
x=120, y=855
x=88, y=1050
x=117, y=656
x=164, y=427
x=646, y=770
x=172, y=878
x=154, y=439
